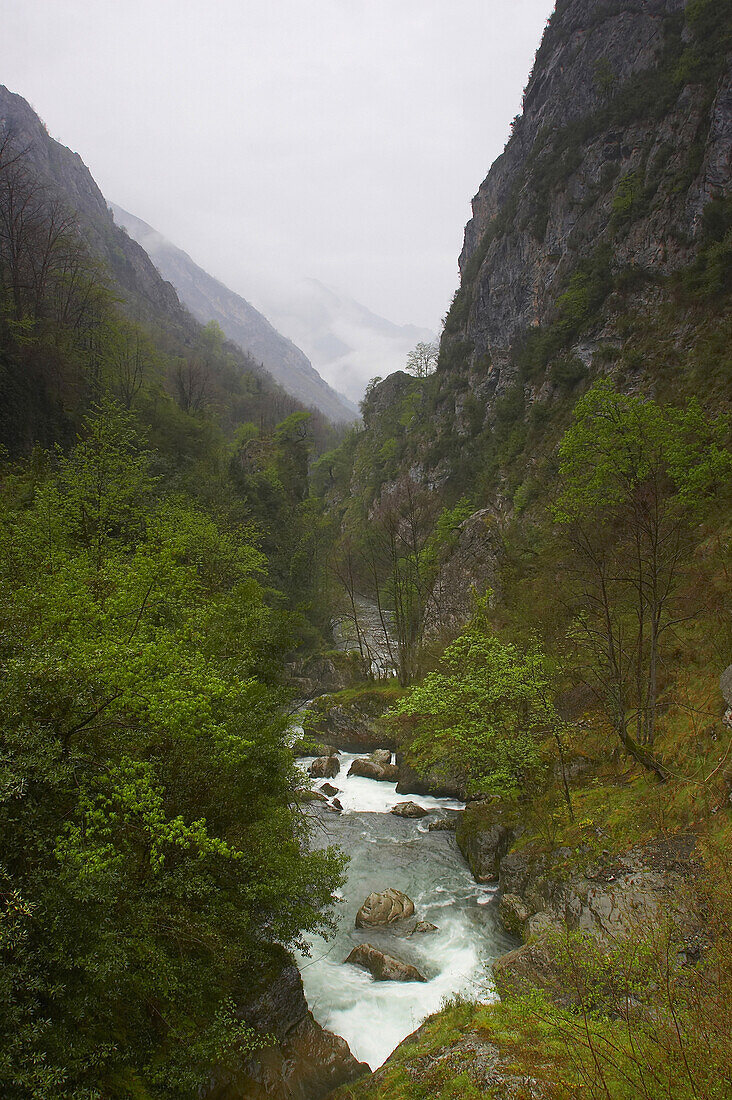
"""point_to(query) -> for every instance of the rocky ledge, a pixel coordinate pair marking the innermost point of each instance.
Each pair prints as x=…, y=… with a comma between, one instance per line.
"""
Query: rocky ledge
x=305, y=1062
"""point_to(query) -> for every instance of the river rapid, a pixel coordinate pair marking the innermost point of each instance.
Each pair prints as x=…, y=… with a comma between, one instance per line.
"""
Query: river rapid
x=390, y=851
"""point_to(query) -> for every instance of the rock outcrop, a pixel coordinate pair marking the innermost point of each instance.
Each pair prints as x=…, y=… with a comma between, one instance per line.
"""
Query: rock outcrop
x=610, y=898
x=305, y=1062
x=383, y=967
x=383, y=909
x=324, y=767
x=377, y=766
x=352, y=724
x=485, y=832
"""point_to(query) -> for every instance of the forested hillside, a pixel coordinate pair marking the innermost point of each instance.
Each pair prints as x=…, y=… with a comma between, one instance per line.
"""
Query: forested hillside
x=159, y=560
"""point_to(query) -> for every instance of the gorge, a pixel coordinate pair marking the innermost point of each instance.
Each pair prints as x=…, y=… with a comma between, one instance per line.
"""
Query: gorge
x=465, y=662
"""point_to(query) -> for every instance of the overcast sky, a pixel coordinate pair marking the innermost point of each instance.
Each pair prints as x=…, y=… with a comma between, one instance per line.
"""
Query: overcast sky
x=279, y=139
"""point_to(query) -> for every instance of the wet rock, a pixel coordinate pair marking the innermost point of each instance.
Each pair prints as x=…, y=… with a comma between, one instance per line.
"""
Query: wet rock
x=303, y=795
x=369, y=769
x=329, y=789
x=385, y=908
x=383, y=967
x=422, y=927
x=443, y=825
x=305, y=1061
x=381, y=756
x=336, y=804
x=409, y=809
x=484, y=835
x=429, y=783
x=352, y=724
x=324, y=767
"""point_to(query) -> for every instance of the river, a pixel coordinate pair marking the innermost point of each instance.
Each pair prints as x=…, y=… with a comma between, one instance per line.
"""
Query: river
x=390, y=851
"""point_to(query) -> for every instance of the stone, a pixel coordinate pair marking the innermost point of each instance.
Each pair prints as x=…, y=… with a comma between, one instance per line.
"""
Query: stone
x=430, y=783
x=385, y=908
x=354, y=724
x=381, y=756
x=383, y=967
x=303, y=1060
x=422, y=927
x=329, y=789
x=369, y=769
x=514, y=914
x=443, y=825
x=304, y=747
x=409, y=809
x=324, y=767
x=336, y=804
x=303, y=795
x=484, y=834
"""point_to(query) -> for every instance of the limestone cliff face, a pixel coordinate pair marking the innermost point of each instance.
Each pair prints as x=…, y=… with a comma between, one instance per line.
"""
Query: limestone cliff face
x=623, y=140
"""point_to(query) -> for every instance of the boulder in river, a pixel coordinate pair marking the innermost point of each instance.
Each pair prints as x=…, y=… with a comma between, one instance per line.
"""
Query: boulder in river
x=325, y=767
x=409, y=809
x=329, y=789
x=380, y=756
x=304, y=795
x=422, y=927
x=370, y=769
x=384, y=908
x=383, y=967
x=443, y=825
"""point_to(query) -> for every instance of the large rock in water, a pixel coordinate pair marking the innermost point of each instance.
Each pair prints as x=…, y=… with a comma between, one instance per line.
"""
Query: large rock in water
x=383, y=967
x=409, y=809
x=377, y=766
x=325, y=767
x=305, y=1062
x=385, y=908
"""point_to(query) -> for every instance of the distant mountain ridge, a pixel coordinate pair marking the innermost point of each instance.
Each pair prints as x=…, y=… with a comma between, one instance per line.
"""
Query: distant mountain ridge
x=208, y=299
x=341, y=335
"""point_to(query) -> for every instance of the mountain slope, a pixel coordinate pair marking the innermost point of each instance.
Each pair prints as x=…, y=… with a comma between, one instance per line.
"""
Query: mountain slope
x=209, y=300
x=343, y=336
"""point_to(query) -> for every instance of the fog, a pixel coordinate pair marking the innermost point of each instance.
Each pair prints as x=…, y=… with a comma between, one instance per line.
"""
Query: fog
x=277, y=140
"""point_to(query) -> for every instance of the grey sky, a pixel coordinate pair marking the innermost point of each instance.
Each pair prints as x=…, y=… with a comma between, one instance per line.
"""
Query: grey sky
x=338, y=139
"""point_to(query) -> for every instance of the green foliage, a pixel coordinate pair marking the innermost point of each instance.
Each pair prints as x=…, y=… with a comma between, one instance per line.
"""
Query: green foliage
x=139, y=903
x=480, y=713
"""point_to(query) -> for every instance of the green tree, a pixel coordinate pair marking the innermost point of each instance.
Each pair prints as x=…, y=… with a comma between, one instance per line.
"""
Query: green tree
x=633, y=478
x=139, y=904
x=480, y=714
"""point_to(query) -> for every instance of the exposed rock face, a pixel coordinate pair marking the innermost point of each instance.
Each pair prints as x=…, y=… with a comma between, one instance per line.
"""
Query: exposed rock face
x=383, y=967
x=353, y=725
x=429, y=783
x=305, y=1063
x=471, y=569
x=443, y=825
x=409, y=809
x=607, y=900
x=485, y=832
x=590, y=50
x=322, y=674
x=303, y=747
x=385, y=908
x=324, y=767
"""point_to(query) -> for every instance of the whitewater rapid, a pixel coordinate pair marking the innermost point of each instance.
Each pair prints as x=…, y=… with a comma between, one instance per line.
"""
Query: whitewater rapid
x=389, y=851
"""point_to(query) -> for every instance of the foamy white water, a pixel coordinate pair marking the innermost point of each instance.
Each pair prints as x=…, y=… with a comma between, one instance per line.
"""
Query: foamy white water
x=389, y=851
